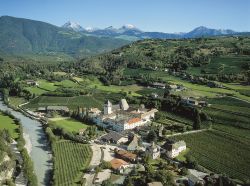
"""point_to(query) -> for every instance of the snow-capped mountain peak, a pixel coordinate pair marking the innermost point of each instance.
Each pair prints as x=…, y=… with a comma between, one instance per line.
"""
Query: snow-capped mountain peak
x=73, y=25
x=91, y=29
x=128, y=26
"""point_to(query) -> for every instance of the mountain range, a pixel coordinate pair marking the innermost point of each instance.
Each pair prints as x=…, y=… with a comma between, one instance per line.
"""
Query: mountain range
x=24, y=36
x=131, y=31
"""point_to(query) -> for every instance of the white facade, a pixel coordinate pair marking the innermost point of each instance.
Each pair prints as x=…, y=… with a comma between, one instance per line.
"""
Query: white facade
x=176, y=151
x=108, y=108
x=120, y=120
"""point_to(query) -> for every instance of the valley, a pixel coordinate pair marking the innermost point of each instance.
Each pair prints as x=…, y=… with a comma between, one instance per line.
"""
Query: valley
x=99, y=110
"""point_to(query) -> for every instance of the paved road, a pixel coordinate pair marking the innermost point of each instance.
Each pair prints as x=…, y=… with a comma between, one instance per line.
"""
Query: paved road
x=96, y=160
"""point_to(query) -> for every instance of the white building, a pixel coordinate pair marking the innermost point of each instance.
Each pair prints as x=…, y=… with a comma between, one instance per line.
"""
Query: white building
x=173, y=148
x=121, y=117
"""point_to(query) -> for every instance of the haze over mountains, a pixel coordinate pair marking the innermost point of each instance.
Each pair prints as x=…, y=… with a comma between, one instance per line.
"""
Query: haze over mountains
x=136, y=33
x=24, y=36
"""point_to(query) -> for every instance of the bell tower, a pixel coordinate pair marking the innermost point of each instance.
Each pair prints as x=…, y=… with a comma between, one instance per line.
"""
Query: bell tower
x=107, y=108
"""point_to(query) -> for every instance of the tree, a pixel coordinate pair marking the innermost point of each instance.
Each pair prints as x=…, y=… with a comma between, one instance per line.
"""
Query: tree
x=107, y=183
x=152, y=136
x=197, y=121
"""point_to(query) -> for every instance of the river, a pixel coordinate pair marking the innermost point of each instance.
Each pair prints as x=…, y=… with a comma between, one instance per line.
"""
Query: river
x=36, y=144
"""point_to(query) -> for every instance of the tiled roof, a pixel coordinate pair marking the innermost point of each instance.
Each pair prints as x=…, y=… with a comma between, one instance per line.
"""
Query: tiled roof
x=117, y=163
x=126, y=154
x=133, y=120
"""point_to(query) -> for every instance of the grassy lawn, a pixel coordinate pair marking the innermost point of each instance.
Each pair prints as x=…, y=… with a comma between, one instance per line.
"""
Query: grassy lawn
x=46, y=85
x=36, y=90
x=68, y=124
x=66, y=83
x=70, y=159
x=7, y=123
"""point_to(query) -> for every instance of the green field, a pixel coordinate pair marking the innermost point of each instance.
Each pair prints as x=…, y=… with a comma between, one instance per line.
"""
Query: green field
x=221, y=151
x=69, y=125
x=70, y=159
x=7, y=123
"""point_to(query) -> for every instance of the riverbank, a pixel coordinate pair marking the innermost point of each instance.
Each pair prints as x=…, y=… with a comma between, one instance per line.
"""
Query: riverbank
x=36, y=144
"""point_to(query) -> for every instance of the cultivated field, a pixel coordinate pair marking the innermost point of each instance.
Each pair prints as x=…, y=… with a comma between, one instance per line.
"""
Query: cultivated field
x=225, y=151
x=70, y=159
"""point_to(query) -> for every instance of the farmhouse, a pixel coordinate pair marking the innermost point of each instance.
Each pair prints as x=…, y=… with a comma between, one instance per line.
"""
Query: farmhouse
x=125, y=155
x=158, y=85
x=32, y=83
x=114, y=137
x=118, y=165
x=173, y=148
x=193, y=102
x=121, y=117
x=53, y=108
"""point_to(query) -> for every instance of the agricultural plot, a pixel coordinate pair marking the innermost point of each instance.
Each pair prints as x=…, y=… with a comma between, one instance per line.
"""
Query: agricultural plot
x=69, y=125
x=70, y=159
x=221, y=152
x=224, y=64
x=7, y=123
x=194, y=90
x=229, y=111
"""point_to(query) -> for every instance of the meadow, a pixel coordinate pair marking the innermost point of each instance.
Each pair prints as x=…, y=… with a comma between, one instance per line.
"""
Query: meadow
x=68, y=124
x=7, y=123
x=70, y=160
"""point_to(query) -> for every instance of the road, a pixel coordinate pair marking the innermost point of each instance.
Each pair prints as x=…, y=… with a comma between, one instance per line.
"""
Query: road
x=95, y=161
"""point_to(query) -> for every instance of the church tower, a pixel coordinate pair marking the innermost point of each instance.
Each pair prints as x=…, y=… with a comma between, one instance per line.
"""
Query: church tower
x=107, y=108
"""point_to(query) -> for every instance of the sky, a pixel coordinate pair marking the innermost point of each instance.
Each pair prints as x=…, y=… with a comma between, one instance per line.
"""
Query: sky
x=148, y=15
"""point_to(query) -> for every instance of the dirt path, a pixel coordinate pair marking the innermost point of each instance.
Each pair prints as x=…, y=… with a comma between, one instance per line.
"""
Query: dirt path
x=189, y=132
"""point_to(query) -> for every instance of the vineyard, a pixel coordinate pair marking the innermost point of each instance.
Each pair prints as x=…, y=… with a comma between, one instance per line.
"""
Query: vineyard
x=70, y=159
x=229, y=111
x=222, y=151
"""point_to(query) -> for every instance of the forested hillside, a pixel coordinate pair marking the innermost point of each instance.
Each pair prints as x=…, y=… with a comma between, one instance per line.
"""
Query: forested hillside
x=218, y=58
x=22, y=36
